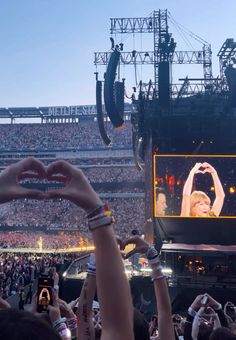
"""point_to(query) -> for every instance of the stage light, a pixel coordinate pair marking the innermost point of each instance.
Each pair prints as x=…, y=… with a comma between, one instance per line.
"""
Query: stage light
x=232, y=190
x=64, y=274
x=167, y=271
x=131, y=272
x=146, y=270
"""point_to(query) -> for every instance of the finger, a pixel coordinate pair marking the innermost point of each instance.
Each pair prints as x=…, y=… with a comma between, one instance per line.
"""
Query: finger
x=205, y=164
x=34, y=303
x=29, y=193
x=206, y=170
x=119, y=242
x=131, y=240
x=54, y=298
x=59, y=167
x=62, y=302
x=4, y=304
x=31, y=163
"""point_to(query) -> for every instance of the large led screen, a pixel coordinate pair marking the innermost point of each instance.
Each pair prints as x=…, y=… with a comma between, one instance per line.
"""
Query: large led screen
x=195, y=186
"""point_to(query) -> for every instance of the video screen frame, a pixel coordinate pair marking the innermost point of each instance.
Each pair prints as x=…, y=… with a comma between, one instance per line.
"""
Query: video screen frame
x=170, y=173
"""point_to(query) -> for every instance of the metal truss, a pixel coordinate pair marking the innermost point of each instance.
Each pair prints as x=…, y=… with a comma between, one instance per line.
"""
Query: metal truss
x=183, y=90
x=132, y=25
x=226, y=54
x=145, y=58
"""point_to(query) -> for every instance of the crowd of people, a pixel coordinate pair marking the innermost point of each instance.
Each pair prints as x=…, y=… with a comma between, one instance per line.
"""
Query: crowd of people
x=61, y=136
x=62, y=214
x=205, y=318
x=41, y=240
x=111, y=174
x=18, y=270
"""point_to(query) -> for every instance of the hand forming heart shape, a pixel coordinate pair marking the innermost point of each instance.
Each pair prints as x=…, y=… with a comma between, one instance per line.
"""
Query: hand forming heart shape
x=77, y=188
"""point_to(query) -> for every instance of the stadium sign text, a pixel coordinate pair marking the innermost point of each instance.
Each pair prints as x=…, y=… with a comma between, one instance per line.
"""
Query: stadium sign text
x=81, y=110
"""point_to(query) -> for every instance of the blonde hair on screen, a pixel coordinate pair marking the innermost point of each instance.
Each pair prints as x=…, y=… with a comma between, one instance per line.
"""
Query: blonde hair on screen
x=196, y=197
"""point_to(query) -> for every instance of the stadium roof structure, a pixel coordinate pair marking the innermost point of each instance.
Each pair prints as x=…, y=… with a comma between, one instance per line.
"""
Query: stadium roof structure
x=54, y=112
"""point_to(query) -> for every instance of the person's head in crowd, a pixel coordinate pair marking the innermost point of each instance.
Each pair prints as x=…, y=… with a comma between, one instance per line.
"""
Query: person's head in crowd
x=19, y=325
x=222, y=334
x=141, y=330
x=205, y=329
x=140, y=327
x=200, y=204
x=161, y=203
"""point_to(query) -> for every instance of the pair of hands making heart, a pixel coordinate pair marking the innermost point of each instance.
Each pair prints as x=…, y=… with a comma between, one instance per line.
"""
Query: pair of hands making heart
x=76, y=186
x=202, y=168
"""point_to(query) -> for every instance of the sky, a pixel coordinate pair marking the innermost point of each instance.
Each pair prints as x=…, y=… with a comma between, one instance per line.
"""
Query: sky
x=47, y=46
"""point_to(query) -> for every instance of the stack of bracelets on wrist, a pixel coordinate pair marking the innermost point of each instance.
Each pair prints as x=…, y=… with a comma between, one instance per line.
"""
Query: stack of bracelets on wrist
x=72, y=323
x=100, y=216
x=61, y=328
x=155, y=264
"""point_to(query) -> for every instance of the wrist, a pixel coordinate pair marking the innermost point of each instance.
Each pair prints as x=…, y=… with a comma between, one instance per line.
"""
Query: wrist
x=99, y=216
x=151, y=253
x=70, y=316
x=192, y=311
x=93, y=205
x=57, y=322
x=217, y=306
x=72, y=323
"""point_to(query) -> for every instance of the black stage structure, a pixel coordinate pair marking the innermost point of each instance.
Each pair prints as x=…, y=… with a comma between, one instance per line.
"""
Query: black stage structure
x=197, y=116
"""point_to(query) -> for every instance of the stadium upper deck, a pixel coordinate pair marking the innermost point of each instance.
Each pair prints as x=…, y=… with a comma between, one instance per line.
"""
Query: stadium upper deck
x=65, y=136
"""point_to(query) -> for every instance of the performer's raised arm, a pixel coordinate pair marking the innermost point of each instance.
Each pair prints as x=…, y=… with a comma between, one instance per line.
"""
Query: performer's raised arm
x=185, y=206
x=219, y=191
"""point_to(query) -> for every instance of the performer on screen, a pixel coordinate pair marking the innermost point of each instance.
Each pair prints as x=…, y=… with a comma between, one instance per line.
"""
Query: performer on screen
x=197, y=203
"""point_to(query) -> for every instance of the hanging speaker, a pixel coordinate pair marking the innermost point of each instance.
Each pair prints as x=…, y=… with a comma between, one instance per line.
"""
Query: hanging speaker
x=100, y=117
x=109, y=90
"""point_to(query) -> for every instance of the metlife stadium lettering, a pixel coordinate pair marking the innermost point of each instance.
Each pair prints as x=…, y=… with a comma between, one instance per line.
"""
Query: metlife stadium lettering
x=81, y=110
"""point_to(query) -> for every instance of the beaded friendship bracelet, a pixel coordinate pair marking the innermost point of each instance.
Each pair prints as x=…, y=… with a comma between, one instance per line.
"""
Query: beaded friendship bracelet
x=94, y=211
x=99, y=216
x=100, y=222
x=58, y=322
x=154, y=262
x=72, y=323
x=104, y=208
x=152, y=253
x=91, y=270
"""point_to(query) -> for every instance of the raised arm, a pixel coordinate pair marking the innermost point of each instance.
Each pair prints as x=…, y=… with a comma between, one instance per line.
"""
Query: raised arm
x=84, y=311
x=112, y=284
x=187, y=190
x=219, y=191
x=165, y=325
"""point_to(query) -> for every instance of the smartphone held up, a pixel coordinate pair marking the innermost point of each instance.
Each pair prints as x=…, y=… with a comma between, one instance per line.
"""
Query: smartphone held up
x=44, y=294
